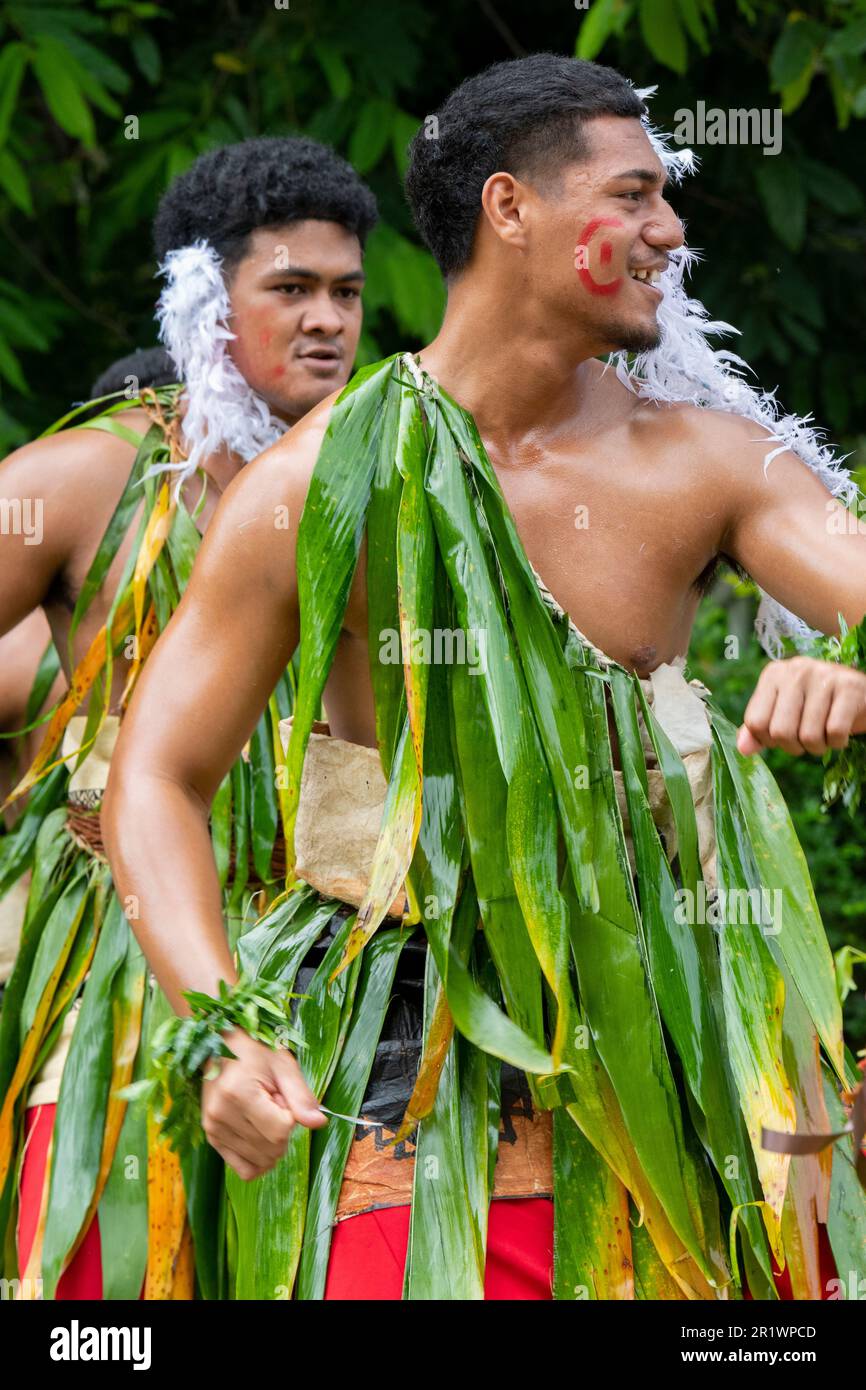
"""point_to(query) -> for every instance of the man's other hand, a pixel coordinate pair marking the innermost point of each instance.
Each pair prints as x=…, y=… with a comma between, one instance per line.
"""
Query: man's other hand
x=249, y=1111
x=804, y=706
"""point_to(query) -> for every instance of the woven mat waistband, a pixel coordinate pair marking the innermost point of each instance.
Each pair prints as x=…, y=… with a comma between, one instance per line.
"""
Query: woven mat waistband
x=85, y=828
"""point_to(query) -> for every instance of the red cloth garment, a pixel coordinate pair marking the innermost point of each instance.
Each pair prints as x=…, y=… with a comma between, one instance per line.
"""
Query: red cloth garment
x=826, y=1264
x=368, y=1252
x=83, y=1278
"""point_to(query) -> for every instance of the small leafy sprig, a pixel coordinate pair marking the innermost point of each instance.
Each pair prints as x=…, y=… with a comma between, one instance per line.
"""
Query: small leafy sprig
x=184, y=1050
x=845, y=768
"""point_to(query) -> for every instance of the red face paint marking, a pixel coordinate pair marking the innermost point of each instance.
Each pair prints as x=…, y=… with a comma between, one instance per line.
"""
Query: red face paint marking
x=581, y=255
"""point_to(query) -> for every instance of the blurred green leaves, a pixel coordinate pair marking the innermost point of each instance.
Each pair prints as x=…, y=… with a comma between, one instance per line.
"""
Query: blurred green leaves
x=783, y=194
x=371, y=134
x=794, y=53
x=663, y=33
x=13, y=61
x=79, y=185
x=404, y=279
x=63, y=90
x=103, y=103
x=604, y=18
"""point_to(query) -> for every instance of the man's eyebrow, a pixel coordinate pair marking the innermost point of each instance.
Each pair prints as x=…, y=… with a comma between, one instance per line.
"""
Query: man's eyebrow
x=645, y=176
x=299, y=272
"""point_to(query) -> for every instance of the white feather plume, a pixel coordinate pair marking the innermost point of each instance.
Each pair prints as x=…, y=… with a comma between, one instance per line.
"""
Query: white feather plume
x=685, y=368
x=222, y=409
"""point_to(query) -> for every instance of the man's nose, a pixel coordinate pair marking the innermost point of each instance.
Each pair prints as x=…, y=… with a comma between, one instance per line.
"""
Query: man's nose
x=665, y=230
x=321, y=315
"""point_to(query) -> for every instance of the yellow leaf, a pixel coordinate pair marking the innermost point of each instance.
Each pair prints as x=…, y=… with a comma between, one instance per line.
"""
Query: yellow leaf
x=230, y=62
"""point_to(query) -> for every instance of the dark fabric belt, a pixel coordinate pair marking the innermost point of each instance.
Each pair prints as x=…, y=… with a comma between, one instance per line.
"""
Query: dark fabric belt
x=395, y=1065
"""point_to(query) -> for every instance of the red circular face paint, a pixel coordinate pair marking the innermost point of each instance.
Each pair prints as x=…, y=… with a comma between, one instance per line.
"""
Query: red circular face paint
x=605, y=256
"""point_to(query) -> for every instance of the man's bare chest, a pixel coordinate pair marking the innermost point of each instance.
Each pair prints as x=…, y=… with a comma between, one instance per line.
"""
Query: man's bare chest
x=620, y=556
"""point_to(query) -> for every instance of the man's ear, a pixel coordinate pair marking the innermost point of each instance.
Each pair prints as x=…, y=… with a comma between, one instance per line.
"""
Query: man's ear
x=504, y=201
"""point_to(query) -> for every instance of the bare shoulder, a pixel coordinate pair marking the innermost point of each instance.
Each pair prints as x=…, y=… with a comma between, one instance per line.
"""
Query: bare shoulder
x=281, y=475
x=76, y=462
x=725, y=450
x=749, y=460
x=255, y=525
x=70, y=482
x=666, y=426
x=724, y=433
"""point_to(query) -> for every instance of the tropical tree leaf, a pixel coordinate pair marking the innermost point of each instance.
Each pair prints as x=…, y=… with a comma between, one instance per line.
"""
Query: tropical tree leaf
x=13, y=61
x=62, y=92
x=663, y=33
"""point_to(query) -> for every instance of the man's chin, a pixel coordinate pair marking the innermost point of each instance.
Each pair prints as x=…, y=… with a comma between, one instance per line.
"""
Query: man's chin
x=293, y=407
x=636, y=337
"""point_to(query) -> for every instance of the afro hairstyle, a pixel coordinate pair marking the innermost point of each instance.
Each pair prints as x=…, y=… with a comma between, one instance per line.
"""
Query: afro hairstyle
x=269, y=181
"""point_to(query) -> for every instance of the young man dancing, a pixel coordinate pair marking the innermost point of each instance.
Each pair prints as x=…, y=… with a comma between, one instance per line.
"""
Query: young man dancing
x=261, y=246
x=558, y=784
x=30, y=679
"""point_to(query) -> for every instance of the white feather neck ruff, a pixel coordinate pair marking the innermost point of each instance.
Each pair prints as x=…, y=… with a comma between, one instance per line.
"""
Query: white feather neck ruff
x=685, y=368
x=221, y=407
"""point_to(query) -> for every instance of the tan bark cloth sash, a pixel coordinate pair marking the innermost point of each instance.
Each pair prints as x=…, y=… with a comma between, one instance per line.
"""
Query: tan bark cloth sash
x=13, y=906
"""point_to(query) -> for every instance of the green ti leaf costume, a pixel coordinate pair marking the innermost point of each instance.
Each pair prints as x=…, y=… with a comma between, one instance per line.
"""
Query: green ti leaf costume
x=663, y=1046
x=78, y=958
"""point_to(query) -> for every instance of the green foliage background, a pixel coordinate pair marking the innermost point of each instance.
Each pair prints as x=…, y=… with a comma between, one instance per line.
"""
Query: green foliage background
x=784, y=237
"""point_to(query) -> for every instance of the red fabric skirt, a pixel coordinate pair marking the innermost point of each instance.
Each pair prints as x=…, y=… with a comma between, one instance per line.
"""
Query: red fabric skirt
x=368, y=1252
x=83, y=1278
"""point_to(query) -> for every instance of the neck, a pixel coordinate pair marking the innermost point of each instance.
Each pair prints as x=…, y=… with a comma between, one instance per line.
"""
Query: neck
x=222, y=466
x=499, y=359
x=237, y=421
x=288, y=418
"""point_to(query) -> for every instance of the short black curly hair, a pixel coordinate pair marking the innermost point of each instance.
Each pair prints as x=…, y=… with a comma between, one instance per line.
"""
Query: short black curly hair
x=268, y=181
x=151, y=366
x=524, y=117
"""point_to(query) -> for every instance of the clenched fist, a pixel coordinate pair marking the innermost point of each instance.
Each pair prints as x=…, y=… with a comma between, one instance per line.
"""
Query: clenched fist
x=804, y=706
x=248, y=1112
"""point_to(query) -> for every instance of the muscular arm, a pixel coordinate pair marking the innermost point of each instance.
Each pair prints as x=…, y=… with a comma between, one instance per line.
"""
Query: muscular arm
x=202, y=691
x=789, y=534
x=798, y=543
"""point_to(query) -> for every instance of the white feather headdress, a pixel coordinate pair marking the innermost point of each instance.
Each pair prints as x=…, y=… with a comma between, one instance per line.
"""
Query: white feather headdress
x=222, y=409
x=685, y=368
